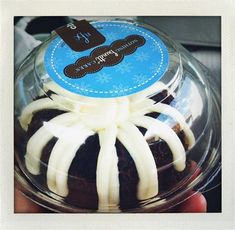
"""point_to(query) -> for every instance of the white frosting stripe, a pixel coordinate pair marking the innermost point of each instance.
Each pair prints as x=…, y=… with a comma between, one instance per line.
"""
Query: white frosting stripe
x=66, y=103
x=34, y=107
x=123, y=110
x=60, y=91
x=62, y=155
x=167, y=134
x=34, y=150
x=60, y=149
x=114, y=177
x=141, y=107
x=63, y=166
x=72, y=96
x=39, y=140
x=99, y=116
x=177, y=116
x=139, y=150
x=111, y=119
x=106, y=159
x=152, y=90
x=114, y=182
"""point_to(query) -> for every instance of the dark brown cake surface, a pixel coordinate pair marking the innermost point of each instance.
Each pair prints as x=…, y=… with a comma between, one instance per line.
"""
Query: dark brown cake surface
x=82, y=171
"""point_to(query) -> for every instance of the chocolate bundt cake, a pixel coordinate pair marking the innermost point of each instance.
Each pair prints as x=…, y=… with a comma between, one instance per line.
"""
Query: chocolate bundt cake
x=105, y=154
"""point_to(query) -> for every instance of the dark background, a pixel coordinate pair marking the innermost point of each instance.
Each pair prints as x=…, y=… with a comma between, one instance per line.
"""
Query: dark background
x=200, y=35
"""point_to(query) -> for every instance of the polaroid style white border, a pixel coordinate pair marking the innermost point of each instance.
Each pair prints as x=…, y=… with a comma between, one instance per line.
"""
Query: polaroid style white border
x=11, y=8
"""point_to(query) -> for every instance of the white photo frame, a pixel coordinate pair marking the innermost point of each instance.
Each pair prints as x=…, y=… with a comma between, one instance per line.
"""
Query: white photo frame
x=11, y=8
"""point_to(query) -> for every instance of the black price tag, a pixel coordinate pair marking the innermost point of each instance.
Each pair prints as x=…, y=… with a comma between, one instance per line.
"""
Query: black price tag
x=80, y=35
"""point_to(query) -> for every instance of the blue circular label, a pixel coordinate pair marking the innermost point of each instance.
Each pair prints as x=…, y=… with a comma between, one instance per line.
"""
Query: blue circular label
x=130, y=60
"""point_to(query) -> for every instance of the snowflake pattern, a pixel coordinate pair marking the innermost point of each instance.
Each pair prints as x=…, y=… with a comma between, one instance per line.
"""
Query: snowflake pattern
x=139, y=78
x=83, y=87
x=124, y=67
x=126, y=29
x=154, y=67
x=111, y=36
x=155, y=47
x=135, y=65
x=58, y=63
x=142, y=56
x=119, y=90
x=71, y=54
x=103, y=78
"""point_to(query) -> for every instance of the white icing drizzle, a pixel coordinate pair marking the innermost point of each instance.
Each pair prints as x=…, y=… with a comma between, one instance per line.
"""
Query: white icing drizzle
x=106, y=158
x=40, y=138
x=74, y=97
x=113, y=193
x=168, y=135
x=60, y=91
x=99, y=116
x=175, y=114
x=66, y=103
x=111, y=119
x=114, y=182
x=34, y=149
x=61, y=158
x=141, y=107
x=133, y=140
x=123, y=110
x=152, y=90
x=60, y=149
x=34, y=107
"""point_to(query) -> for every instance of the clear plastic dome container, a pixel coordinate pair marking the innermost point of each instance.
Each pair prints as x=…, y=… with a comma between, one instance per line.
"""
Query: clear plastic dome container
x=142, y=146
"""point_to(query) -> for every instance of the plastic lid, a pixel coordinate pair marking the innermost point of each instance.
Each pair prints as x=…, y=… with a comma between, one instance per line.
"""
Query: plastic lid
x=114, y=116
